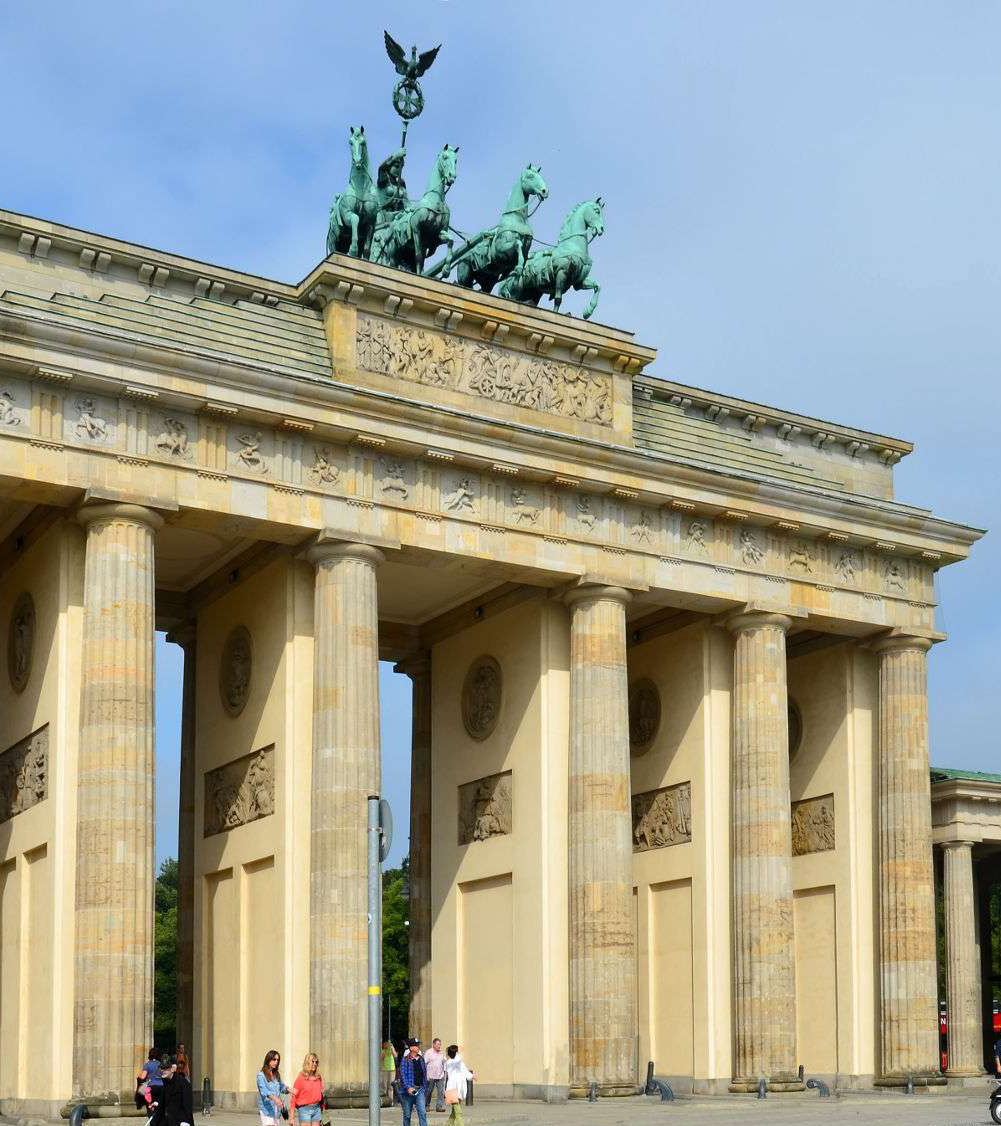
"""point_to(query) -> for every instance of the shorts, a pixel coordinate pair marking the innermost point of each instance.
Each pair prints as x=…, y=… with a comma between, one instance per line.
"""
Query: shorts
x=266, y=1120
x=310, y=1113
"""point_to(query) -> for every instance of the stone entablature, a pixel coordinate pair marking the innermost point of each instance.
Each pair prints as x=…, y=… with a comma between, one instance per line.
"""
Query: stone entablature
x=965, y=808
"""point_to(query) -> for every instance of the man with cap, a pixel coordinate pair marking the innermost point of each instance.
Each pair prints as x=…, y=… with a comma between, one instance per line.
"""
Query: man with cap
x=413, y=1080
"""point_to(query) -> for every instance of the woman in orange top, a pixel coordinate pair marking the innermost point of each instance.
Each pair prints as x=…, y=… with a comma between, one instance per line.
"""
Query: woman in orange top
x=307, y=1091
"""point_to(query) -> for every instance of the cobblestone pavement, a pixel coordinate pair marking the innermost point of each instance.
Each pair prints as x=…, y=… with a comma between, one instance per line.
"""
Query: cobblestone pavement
x=966, y=1108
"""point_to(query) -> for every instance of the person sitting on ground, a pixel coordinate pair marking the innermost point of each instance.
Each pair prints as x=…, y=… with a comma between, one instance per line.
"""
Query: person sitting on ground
x=307, y=1091
x=270, y=1089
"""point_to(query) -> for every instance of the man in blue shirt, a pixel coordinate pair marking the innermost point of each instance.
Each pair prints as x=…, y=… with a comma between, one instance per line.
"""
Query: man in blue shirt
x=413, y=1080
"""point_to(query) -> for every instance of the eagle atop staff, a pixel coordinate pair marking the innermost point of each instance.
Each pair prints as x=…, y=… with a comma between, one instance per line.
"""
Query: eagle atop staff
x=409, y=69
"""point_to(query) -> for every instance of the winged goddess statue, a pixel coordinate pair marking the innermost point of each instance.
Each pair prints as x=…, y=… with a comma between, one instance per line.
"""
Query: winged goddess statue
x=408, y=97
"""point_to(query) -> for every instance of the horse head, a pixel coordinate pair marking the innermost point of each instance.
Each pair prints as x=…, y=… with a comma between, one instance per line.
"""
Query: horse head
x=359, y=146
x=446, y=166
x=532, y=182
x=586, y=220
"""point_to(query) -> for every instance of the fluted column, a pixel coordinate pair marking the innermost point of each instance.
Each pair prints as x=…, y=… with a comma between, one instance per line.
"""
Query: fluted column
x=764, y=968
x=113, y=956
x=602, y=939
x=962, y=961
x=345, y=772
x=419, y=936
x=908, y=1030
x=184, y=636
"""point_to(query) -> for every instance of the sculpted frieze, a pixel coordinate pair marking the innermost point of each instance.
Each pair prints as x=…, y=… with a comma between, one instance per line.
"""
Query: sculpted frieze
x=21, y=641
x=662, y=817
x=813, y=825
x=24, y=774
x=485, y=808
x=235, y=668
x=240, y=792
x=439, y=360
x=481, y=697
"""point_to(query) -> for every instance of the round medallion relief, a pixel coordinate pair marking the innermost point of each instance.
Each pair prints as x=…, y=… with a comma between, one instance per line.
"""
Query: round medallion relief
x=644, y=714
x=795, y=727
x=235, y=668
x=21, y=641
x=481, y=697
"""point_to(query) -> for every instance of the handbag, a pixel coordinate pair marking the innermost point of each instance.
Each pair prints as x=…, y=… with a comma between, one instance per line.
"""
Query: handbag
x=451, y=1097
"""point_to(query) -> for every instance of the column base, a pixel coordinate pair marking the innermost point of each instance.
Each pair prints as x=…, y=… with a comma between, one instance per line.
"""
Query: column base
x=607, y=1091
x=926, y=1079
x=780, y=1083
x=103, y=1106
x=965, y=1073
x=350, y=1096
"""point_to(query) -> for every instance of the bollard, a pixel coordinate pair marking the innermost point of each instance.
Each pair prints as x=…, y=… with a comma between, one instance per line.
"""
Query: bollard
x=207, y=1097
x=910, y=1084
x=469, y=1092
x=762, y=1088
x=650, y=1088
x=820, y=1086
x=800, y=1073
x=78, y=1114
x=592, y=1092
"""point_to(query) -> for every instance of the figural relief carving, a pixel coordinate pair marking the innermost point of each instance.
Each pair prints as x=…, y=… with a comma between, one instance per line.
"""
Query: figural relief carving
x=847, y=566
x=522, y=511
x=461, y=498
x=7, y=415
x=644, y=714
x=24, y=773
x=393, y=481
x=642, y=530
x=894, y=575
x=21, y=641
x=585, y=514
x=323, y=470
x=173, y=439
x=813, y=825
x=481, y=697
x=90, y=425
x=485, y=808
x=249, y=453
x=751, y=551
x=438, y=360
x=235, y=667
x=662, y=817
x=240, y=792
x=695, y=538
x=799, y=556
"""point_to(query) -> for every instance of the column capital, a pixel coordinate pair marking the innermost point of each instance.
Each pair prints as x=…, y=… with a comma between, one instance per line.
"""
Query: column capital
x=101, y=513
x=944, y=845
x=416, y=667
x=596, y=592
x=321, y=553
x=895, y=641
x=753, y=618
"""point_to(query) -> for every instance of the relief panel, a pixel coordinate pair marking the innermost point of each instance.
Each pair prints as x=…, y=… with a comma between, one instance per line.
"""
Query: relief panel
x=485, y=808
x=24, y=774
x=813, y=825
x=240, y=792
x=662, y=817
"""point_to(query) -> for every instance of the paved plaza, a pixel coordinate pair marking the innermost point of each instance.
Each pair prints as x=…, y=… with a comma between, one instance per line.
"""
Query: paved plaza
x=966, y=1108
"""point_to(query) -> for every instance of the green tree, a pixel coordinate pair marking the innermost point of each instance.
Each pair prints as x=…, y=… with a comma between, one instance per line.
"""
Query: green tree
x=395, y=949
x=165, y=957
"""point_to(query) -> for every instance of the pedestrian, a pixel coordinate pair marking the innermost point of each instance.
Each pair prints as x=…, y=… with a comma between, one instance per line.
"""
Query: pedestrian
x=175, y=1103
x=307, y=1091
x=434, y=1060
x=150, y=1079
x=997, y=1057
x=457, y=1075
x=388, y=1066
x=413, y=1080
x=270, y=1089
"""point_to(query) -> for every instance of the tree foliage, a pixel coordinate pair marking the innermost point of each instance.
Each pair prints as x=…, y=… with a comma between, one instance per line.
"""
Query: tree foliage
x=165, y=957
x=395, y=949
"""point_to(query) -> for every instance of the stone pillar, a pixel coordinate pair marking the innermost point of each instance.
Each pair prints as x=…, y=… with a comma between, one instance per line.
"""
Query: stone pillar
x=764, y=958
x=345, y=772
x=602, y=940
x=908, y=1026
x=113, y=955
x=962, y=961
x=419, y=937
x=184, y=636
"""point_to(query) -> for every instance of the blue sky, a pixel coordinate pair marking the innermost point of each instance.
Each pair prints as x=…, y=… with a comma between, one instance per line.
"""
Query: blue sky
x=802, y=204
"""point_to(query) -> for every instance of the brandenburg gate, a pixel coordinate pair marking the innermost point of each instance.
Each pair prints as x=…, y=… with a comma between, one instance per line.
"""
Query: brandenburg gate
x=668, y=650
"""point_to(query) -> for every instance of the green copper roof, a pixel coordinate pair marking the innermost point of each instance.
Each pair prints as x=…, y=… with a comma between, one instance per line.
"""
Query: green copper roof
x=942, y=773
